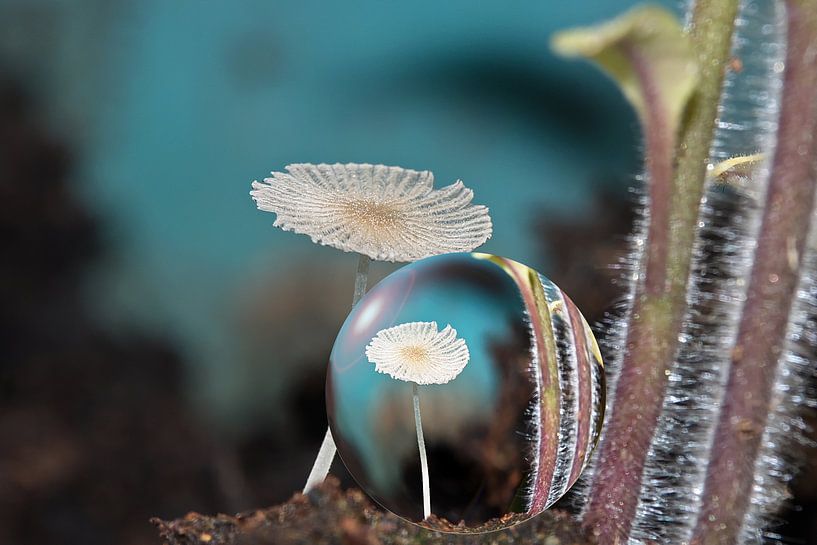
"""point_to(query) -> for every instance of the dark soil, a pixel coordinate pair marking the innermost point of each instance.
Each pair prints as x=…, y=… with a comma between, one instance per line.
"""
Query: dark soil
x=329, y=515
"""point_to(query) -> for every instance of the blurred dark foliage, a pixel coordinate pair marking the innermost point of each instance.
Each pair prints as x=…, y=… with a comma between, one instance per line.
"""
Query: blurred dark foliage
x=585, y=250
x=94, y=436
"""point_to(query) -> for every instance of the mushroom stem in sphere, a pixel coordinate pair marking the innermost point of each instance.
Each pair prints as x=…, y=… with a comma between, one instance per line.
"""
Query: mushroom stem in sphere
x=421, y=444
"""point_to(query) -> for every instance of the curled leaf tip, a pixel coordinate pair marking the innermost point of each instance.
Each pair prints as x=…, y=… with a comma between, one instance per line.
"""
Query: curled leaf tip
x=646, y=51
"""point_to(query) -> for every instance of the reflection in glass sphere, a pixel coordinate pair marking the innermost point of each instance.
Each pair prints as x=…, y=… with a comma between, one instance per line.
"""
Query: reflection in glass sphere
x=465, y=392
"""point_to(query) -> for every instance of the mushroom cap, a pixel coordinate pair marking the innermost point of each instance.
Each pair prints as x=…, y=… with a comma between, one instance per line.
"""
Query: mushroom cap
x=387, y=213
x=418, y=352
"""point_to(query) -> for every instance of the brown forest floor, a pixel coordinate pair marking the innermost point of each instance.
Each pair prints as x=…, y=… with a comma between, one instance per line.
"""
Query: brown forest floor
x=329, y=515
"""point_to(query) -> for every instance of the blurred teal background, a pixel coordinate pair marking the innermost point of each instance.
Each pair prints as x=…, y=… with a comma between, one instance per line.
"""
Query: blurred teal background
x=177, y=106
x=168, y=109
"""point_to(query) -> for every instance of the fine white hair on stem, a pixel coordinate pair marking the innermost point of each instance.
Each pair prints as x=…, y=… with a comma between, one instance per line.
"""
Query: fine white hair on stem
x=387, y=213
x=785, y=436
x=729, y=221
x=417, y=352
x=611, y=332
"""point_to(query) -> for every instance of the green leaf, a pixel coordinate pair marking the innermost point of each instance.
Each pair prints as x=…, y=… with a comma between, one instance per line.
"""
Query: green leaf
x=648, y=54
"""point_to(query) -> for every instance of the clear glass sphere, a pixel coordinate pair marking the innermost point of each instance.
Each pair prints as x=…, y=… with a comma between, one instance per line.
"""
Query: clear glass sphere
x=465, y=392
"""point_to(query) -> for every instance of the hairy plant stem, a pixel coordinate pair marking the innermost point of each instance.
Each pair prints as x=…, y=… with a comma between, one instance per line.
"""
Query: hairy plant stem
x=421, y=446
x=326, y=454
x=771, y=291
x=660, y=297
x=659, y=141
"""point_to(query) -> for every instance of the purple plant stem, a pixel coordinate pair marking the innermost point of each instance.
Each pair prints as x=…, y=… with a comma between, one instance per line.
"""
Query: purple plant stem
x=547, y=386
x=771, y=291
x=659, y=141
x=660, y=298
x=584, y=393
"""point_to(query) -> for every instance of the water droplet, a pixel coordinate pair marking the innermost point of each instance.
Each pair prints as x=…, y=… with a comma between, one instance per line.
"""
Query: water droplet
x=505, y=435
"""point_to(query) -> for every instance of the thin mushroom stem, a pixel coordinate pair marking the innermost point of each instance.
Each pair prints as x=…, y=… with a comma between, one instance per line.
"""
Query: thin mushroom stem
x=323, y=461
x=421, y=445
x=326, y=454
x=361, y=278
